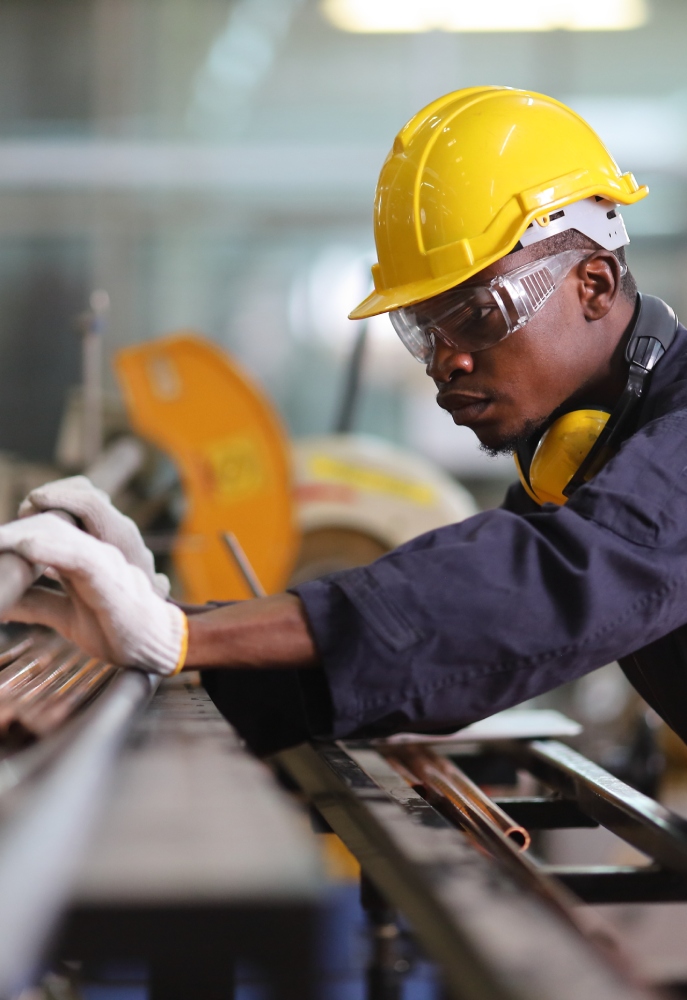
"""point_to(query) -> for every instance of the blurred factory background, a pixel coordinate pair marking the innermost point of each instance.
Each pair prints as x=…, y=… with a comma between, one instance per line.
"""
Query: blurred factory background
x=212, y=164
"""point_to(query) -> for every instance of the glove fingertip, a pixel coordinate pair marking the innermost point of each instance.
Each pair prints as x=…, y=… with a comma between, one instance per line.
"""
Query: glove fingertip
x=27, y=508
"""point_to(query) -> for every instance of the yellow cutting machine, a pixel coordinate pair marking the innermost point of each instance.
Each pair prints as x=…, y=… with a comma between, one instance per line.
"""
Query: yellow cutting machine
x=189, y=399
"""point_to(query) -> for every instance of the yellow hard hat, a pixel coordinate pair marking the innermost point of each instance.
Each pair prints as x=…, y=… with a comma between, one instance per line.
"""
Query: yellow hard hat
x=466, y=177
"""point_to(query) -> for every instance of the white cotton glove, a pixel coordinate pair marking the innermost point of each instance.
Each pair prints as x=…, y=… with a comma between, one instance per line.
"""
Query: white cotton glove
x=79, y=497
x=109, y=607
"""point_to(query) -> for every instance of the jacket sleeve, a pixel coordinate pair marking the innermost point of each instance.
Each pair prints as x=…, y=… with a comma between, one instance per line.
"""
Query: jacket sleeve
x=479, y=616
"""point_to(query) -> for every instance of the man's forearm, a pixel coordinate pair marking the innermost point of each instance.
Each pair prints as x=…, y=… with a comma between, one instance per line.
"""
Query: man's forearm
x=267, y=632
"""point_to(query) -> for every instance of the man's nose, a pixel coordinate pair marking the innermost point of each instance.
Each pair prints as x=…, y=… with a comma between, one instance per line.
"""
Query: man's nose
x=447, y=361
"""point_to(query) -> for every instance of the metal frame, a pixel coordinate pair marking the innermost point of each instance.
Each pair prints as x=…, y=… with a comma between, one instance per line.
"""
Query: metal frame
x=496, y=926
x=599, y=798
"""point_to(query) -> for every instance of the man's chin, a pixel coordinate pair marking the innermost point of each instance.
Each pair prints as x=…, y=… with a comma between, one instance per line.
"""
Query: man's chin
x=493, y=443
x=505, y=448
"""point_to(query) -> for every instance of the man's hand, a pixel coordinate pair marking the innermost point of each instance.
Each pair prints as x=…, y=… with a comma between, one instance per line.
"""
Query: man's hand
x=94, y=509
x=109, y=607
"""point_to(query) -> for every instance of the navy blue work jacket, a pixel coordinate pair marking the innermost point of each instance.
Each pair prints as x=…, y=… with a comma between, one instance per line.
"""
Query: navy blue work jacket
x=475, y=617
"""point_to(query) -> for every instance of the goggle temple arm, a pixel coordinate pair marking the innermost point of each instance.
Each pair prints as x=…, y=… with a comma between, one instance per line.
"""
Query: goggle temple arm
x=531, y=286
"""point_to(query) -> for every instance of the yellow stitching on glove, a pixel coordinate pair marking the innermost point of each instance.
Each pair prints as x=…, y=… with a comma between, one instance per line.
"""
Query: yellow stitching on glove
x=184, y=649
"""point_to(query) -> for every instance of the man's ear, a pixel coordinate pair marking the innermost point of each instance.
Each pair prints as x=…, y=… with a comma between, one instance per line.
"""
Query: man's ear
x=600, y=284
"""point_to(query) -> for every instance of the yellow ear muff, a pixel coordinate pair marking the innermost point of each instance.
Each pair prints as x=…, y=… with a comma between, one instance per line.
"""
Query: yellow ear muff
x=560, y=453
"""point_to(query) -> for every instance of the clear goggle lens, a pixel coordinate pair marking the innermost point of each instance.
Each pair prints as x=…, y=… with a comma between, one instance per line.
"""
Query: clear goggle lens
x=472, y=318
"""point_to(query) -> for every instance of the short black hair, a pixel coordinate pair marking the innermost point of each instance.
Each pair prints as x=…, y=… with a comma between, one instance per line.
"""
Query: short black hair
x=573, y=239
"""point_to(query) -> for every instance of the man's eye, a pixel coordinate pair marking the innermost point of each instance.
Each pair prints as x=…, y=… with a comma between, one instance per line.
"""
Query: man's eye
x=481, y=313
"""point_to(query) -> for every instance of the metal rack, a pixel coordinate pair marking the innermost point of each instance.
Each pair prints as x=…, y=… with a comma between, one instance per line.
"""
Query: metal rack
x=499, y=923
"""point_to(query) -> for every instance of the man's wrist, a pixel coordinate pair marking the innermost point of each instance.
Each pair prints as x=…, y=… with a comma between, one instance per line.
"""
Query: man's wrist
x=266, y=632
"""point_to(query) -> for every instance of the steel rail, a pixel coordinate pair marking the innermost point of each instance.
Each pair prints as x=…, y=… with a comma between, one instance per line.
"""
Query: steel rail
x=111, y=471
x=50, y=793
x=631, y=815
x=53, y=792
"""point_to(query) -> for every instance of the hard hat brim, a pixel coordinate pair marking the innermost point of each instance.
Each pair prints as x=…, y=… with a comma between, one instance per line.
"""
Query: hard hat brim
x=398, y=297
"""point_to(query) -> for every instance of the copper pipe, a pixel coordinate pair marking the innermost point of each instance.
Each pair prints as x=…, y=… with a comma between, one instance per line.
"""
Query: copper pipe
x=476, y=810
x=15, y=647
x=43, y=716
x=40, y=654
x=51, y=678
x=40, y=685
x=48, y=680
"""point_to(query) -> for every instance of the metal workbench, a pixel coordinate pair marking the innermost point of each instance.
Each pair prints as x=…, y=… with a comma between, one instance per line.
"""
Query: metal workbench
x=198, y=860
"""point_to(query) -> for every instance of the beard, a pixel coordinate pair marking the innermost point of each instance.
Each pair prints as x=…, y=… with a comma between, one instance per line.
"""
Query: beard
x=509, y=445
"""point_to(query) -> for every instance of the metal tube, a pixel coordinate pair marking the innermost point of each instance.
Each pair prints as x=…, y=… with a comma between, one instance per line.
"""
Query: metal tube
x=93, y=328
x=354, y=375
x=40, y=685
x=45, y=685
x=42, y=651
x=111, y=471
x=476, y=809
x=117, y=465
x=15, y=647
x=37, y=720
x=243, y=562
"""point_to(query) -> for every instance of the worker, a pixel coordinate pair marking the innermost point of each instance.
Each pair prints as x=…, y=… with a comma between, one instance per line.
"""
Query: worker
x=501, y=261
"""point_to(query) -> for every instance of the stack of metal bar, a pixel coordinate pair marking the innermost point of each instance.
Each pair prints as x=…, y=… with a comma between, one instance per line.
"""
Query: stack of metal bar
x=43, y=680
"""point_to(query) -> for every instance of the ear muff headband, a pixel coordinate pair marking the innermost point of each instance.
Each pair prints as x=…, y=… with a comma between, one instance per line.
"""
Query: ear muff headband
x=579, y=443
x=524, y=481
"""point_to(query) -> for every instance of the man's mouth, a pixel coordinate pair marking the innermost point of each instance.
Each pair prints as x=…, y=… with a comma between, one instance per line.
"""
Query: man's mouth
x=465, y=408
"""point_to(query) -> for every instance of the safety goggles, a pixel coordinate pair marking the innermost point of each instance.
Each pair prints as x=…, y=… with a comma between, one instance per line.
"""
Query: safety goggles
x=472, y=318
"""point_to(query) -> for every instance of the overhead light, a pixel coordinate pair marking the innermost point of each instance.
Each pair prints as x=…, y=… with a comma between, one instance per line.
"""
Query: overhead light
x=496, y=15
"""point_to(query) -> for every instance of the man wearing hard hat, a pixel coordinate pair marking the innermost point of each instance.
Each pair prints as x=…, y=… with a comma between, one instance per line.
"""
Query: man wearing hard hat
x=502, y=266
